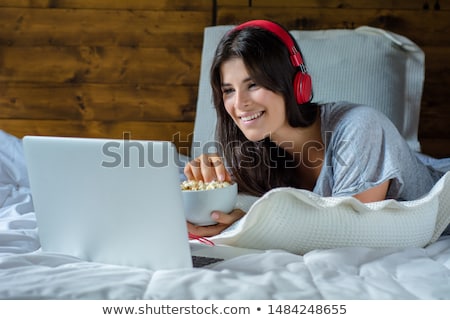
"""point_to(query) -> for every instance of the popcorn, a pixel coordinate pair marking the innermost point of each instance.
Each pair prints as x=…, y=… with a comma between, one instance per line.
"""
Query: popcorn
x=193, y=185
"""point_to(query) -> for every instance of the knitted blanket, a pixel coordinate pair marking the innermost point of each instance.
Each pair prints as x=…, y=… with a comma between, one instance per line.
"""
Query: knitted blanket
x=300, y=221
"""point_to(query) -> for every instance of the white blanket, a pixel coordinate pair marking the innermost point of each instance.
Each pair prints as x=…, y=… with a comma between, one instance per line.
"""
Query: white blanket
x=340, y=273
x=300, y=221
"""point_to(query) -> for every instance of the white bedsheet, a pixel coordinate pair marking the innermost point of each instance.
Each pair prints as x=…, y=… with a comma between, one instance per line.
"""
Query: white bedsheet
x=343, y=273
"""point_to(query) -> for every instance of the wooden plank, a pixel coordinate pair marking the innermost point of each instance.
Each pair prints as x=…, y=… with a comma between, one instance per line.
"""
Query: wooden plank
x=435, y=92
x=338, y=4
x=438, y=148
x=64, y=27
x=436, y=95
x=200, y=5
x=98, y=102
x=435, y=102
x=434, y=125
x=156, y=66
x=180, y=133
x=437, y=63
x=423, y=27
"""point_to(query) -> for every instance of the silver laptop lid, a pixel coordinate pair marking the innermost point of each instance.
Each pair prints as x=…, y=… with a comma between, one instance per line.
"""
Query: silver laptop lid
x=109, y=201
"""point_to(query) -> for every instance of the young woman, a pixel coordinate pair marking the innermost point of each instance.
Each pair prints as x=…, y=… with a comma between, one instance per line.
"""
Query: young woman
x=274, y=136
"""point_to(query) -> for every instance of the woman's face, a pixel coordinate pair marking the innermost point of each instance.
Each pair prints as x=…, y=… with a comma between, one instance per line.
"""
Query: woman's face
x=257, y=111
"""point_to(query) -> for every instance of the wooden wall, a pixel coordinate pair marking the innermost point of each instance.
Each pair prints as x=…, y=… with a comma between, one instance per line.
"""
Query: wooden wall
x=99, y=68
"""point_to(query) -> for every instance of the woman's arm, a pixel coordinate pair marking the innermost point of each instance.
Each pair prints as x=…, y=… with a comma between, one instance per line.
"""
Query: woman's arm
x=377, y=193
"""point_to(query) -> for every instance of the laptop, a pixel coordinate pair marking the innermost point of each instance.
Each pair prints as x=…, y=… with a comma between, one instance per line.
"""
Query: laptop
x=113, y=201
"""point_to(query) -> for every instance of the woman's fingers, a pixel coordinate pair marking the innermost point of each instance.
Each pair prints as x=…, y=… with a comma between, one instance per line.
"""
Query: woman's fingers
x=205, y=231
x=207, y=167
x=223, y=221
x=213, y=168
x=227, y=219
x=192, y=170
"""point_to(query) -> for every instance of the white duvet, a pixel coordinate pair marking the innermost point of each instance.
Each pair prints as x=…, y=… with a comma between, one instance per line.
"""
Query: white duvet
x=339, y=273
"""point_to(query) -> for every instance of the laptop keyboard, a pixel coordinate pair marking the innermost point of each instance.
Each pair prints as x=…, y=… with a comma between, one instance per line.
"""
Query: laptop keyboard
x=201, y=261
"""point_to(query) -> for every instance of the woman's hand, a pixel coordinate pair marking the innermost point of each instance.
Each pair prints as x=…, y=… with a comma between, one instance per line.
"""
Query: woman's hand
x=207, y=167
x=223, y=221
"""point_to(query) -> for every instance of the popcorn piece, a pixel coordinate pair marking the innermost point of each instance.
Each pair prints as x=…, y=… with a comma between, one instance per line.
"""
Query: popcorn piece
x=193, y=185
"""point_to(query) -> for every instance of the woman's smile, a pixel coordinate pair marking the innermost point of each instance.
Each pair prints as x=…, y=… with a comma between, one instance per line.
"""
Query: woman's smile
x=247, y=118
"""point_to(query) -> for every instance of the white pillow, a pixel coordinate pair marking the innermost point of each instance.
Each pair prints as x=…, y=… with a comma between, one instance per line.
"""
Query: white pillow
x=300, y=221
x=365, y=65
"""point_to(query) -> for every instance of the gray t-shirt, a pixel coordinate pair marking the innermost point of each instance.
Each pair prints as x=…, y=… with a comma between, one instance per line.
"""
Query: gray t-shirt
x=364, y=149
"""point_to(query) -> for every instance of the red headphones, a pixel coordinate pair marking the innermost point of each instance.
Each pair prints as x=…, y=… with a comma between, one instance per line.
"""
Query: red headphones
x=302, y=80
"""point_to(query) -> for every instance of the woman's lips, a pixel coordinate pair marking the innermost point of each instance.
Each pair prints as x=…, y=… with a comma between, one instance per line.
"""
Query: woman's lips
x=251, y=117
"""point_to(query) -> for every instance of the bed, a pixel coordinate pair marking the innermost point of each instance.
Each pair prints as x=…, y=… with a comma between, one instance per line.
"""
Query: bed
x=406, y=269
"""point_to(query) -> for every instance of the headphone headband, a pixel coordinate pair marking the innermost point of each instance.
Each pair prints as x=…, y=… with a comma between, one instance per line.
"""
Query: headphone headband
x=302, y=81
x=282, y=34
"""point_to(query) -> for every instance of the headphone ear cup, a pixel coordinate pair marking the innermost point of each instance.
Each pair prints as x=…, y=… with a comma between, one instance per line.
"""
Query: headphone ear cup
x=302, y=87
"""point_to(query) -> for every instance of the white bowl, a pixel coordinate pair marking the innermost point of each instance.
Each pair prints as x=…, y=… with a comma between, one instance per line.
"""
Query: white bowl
x=198, y=204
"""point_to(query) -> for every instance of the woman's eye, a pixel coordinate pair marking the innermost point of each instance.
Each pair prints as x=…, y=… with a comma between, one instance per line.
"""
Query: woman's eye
x=226, y=91
x=252, y=85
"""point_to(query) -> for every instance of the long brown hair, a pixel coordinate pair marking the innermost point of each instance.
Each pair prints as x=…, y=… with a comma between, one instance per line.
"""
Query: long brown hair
x=258, y=166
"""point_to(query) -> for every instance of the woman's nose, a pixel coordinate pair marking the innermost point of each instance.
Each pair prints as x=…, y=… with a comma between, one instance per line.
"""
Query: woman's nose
x=242, y=99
